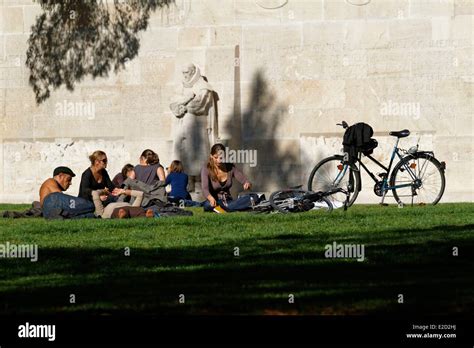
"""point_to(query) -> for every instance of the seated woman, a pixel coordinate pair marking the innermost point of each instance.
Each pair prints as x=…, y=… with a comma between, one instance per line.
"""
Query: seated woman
x=96, y=178
x=179, y=183
x=149, y=170
x=217, y=179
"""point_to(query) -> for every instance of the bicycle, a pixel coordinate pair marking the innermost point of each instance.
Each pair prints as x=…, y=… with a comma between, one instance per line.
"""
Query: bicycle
x=296, y=200
x=418, y=177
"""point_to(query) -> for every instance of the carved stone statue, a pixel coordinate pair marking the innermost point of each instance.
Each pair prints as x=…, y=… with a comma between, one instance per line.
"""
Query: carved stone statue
x=195, y=129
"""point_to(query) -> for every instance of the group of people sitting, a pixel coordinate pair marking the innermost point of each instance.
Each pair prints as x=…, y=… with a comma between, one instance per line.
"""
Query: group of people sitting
x=140, y=191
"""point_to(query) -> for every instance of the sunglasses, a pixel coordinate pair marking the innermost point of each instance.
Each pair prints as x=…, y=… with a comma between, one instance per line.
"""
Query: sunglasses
x=103, y=160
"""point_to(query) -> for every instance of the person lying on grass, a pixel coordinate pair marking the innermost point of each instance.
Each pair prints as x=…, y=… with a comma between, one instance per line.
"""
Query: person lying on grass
x=217, y=179
x=126, y=198
x=56, y=204
x=107, y=212
x=132, y=212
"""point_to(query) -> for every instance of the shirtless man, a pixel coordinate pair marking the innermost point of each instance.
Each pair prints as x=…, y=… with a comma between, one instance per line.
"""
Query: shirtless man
x=61, y=180
x=56, y=204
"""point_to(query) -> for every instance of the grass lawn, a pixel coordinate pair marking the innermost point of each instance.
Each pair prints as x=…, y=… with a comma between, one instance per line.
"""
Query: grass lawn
x=408, y=251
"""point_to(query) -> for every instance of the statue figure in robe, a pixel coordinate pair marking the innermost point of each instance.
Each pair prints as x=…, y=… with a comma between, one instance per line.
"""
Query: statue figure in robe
x=195, y=127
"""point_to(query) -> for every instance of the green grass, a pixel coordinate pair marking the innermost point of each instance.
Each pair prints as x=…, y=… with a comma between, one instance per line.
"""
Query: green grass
x=408, y=251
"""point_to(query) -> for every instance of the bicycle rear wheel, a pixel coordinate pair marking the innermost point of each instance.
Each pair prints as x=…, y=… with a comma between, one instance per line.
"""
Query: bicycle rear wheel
x=332, y=173
x=292, y=201
x=427, y=185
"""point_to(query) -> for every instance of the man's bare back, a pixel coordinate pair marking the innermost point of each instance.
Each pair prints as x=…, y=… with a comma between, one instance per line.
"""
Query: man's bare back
x=49, y=186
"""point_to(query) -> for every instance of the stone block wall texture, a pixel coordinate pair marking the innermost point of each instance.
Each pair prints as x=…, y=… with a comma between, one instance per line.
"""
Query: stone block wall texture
x=285, y=71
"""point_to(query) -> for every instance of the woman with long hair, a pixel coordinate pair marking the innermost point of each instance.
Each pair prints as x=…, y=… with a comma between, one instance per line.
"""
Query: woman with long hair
x=217, y=178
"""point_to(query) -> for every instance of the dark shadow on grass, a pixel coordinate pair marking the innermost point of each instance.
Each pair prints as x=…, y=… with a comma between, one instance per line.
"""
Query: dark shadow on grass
x=214, y=281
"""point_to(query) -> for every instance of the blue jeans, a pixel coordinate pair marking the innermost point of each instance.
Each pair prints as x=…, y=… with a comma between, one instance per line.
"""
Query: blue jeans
x=60, y=205
x=239, y=204
x=187, y=202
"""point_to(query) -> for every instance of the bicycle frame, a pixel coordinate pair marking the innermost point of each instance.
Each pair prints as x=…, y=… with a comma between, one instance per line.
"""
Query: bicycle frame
x=385, y=186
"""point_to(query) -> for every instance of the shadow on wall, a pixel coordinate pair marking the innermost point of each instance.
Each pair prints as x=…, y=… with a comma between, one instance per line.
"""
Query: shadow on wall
x=72, y=39
x=278, y=164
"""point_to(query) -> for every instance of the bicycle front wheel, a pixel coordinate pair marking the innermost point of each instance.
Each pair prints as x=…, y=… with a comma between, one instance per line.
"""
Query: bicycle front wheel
x=332, y=173
x=418, y=179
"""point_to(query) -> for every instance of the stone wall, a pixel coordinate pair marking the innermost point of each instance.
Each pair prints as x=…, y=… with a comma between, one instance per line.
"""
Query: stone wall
x=284, y=76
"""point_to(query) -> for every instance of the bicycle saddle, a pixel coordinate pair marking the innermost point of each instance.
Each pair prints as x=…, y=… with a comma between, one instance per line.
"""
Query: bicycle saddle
x=401, y=134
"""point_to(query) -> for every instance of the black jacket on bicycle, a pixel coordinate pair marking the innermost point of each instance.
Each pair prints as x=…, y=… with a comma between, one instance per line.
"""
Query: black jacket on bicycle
x=357, y=138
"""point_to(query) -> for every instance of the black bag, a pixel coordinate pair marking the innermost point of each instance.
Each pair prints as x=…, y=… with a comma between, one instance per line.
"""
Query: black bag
x=368, y=149
x=358, y=138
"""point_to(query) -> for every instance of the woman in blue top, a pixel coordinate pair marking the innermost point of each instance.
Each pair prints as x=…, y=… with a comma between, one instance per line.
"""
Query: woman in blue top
x=179, y=183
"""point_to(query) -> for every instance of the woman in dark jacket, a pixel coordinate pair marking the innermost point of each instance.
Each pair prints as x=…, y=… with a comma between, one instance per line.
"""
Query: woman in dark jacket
x=96, y=178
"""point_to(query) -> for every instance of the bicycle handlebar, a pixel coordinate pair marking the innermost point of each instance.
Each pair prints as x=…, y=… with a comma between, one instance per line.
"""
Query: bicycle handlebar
x=343, y=124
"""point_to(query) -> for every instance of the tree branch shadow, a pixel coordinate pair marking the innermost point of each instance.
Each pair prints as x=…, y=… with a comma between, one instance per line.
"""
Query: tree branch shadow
x=72, y=39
